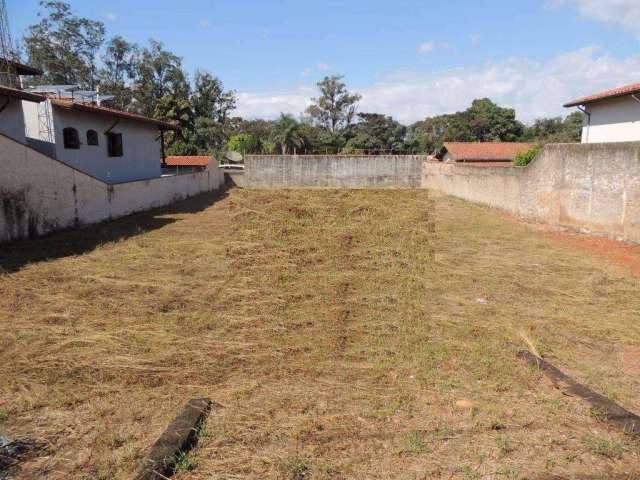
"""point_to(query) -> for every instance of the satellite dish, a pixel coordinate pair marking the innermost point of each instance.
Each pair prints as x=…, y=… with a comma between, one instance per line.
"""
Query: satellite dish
x=233, y=157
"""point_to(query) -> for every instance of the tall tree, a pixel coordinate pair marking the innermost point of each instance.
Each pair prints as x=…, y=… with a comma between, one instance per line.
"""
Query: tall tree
x=64, y=45
x=210, y=100
x=489, y=122
x=483, y=121
x=158, y=74
x=335, y=108
x=556, y=130
x=118, y=71
x=376, y=132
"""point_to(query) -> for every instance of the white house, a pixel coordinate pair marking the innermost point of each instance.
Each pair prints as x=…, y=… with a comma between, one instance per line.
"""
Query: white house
x=12, y=123
x=108, y=144
x=611, y=116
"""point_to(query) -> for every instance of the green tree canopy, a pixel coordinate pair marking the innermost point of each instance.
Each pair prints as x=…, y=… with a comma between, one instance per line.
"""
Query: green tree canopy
x=118, y=71
x=158, y=74
x=376, y=133
x=243, y=143
x=210, y=100
x=556, y=130
x=335, y=108
x=483, y=121
x=65, y=46
x=288, y=135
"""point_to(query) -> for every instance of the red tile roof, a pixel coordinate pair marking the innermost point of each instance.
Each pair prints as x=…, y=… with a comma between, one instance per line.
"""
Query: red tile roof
x=613, y=93
x=192, y=161
x=21, y=94
x=484, y=152
x=91, y=108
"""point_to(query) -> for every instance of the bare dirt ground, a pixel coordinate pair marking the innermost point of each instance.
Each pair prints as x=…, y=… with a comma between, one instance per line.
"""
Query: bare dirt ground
x=347, y=334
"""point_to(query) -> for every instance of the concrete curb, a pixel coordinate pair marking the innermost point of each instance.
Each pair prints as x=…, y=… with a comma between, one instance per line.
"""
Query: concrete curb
x=607, y=409
x=179, y=437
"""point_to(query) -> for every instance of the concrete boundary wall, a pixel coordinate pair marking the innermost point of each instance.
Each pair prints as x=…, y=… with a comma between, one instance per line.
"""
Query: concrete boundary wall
x=40, y=195
x=333, y=171
x=590, y=187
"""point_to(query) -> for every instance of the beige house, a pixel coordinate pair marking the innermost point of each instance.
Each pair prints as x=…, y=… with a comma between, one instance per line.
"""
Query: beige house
x=611, y=116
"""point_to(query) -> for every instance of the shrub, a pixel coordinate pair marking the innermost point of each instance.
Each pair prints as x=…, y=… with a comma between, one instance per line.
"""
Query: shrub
x=525, y=158
x=243, y=143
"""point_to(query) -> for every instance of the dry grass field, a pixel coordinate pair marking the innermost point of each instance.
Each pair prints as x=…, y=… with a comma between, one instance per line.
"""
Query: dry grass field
x=346, y=334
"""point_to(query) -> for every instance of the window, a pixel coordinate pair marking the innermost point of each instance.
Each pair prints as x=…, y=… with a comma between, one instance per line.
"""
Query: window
x=114, y=144
x=92, y=137
x=71, y=138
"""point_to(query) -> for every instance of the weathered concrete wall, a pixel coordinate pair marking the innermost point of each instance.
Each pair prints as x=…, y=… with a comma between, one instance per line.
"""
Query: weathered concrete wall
x=594, y=187
x=337, y=171
x=40, y=195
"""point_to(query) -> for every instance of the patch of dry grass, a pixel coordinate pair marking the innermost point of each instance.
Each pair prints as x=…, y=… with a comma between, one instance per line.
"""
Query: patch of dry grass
x=341, y=330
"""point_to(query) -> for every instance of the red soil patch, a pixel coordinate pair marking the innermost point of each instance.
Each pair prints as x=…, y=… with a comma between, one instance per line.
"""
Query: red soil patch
x=619, y=253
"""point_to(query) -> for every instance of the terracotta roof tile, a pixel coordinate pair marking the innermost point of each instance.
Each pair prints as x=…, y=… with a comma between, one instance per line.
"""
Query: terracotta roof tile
x=191, y=161
x=613, y=93
x=484, y=152
x=91, y=108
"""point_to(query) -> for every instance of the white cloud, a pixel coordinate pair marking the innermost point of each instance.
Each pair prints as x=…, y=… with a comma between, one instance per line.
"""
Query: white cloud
x=534, y=88
x=322, y=67
x=431, y=46
x=625, y=13
x=259, y=105
x=112, y=16
x=426, y=47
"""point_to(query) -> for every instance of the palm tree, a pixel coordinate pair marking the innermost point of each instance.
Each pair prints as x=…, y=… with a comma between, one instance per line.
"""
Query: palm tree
x=288, y=135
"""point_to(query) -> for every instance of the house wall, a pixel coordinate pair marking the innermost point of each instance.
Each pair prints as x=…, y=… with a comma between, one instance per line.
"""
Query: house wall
x=12, y=119
x=141, y=147
x=614, y=120
x=333, y=171
x=591, y=187
x=40, y=195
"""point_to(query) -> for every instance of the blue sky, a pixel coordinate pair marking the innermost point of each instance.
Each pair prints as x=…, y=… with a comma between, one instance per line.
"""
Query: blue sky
x=409, y=58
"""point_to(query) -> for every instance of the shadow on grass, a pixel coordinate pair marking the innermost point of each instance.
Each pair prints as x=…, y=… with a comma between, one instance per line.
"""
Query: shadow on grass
x=16, y=255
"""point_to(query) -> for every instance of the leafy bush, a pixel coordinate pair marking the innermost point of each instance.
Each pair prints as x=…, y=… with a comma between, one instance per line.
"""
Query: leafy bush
x=243, y=143
x=525, y=158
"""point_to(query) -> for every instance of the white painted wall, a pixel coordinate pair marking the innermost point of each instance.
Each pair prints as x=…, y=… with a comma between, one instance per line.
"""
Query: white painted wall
x=613, y=120
x=12, y=119
x=141, y=147
x=40, y=195
x=30, y=109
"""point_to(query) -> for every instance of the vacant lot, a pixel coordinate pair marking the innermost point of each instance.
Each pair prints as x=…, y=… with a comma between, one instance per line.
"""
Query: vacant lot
x=347, y=334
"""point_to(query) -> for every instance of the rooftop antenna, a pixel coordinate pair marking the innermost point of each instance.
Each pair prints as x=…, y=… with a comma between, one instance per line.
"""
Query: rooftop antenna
x=7, y=69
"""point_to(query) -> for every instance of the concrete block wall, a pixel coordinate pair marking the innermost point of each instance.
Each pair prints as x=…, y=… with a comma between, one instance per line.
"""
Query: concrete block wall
x=333, y=171
x=40, y=195
x=592, y=187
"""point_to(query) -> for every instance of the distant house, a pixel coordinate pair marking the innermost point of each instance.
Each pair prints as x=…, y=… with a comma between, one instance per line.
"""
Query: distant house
x=611, y=116
x=481, y=153
x=108, y=144
x=187, y=164
x=12, y=122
